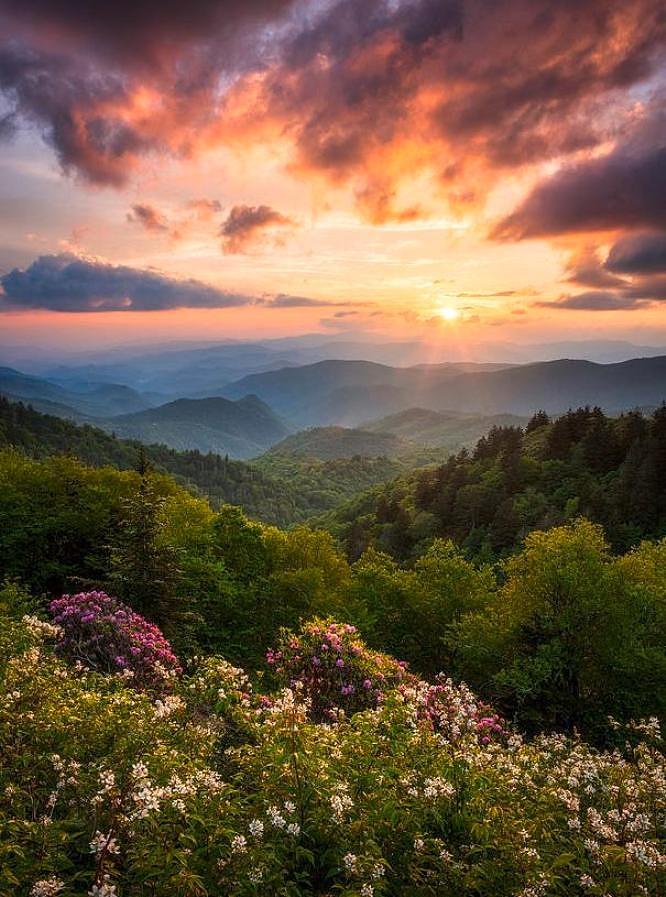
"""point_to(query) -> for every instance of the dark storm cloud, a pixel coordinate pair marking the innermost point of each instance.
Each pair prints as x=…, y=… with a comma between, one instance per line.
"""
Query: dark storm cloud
x=245, y=225
x=595, y=300
x=585, y=269
x=143, y=32
x=76, y=69
x=475, y=84
x=624, y=189
x=70, y=283
x=638, y=254
x=368, y=92
x=75, y=105
x=638, y=257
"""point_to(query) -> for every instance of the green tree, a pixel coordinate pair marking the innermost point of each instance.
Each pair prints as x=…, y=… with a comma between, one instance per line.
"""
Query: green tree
x=144, y=567
x=566, y=640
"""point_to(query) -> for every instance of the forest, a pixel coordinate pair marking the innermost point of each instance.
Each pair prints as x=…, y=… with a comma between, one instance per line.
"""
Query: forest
x=277, y=488
x=611, y=470
x=195, y=702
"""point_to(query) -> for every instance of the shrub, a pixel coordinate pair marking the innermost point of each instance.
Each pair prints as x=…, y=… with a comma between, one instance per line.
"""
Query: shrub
x=106, y=790
x=329, y=663
x=105, y=635
x=452, y=711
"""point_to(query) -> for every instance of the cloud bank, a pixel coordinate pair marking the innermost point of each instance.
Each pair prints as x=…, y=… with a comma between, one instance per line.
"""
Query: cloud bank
x=70, y=283
x=365, y=94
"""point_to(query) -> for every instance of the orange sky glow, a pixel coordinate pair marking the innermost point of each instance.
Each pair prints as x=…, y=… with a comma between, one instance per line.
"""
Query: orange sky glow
x=411, y=177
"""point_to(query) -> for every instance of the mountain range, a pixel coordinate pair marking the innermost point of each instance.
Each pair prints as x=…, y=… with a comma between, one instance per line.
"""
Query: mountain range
x=398, y=409
x=351, y=393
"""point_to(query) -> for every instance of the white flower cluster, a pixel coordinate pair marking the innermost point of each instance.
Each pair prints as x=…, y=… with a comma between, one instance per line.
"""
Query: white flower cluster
x=167, y=706
x=47, y=887
x=103, y=888
x=256, y=828
x=437, y=787
x=40, y=628
x=340, y=800
x=239, y=844
x=102, y=843
x=646, y=854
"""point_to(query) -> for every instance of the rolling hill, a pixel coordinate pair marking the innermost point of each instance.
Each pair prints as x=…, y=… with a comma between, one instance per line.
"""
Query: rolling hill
x=276, y=488
x=242, y=428
x=451, y=430
x=583, y=463
x=220, y=479
x=329, y=443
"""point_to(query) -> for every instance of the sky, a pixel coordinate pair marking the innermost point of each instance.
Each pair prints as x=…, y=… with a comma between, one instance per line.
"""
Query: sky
x=461, y=171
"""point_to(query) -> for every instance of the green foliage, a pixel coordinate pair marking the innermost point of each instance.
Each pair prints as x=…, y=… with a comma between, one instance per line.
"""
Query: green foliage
x=143, y=566
x=278, y=488
x=106, y=791
x=562, y=636
x=582, y=464
x=219, y=478
x=573, y=636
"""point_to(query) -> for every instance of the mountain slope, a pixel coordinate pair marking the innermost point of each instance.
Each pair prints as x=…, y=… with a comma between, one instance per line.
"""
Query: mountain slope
x=329, y=443
x=223, y=481
x=278, y=489
x=452, y=430
x=86, y=400
x=611, y=470
x=241, y=429
x=340, y=392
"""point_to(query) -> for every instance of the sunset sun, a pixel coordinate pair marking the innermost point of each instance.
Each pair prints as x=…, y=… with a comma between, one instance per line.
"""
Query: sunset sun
x=448, y=313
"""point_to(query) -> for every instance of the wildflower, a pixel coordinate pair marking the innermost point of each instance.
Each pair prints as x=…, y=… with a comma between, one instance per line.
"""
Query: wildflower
x=47, y=887
x=104, y=634
x=276, y=818
x=349, y=861
x=101, y=843
x=256, y=828
x=341, y=801
x=238, y=844
x=103, y=888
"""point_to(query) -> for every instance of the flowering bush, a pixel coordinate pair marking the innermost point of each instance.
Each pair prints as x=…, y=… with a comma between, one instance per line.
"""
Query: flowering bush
x=106, y=790
x=452, y=710
x=331, y=665
x=105, y=635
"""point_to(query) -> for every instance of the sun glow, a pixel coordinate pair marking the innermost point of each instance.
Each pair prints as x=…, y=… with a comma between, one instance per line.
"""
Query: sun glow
x=448, y=313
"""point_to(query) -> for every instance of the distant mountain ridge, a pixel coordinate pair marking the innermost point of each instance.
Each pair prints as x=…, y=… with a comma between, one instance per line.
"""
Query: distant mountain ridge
x=242, y=428
x=89, y=400
x=349, y=393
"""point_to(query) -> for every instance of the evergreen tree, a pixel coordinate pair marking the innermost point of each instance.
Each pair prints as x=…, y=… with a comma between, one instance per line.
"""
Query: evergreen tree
x=144, y=567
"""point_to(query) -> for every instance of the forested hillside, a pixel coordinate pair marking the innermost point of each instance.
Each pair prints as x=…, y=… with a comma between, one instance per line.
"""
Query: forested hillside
x=277, y=488
x=346, y=751
x=242, y=429
x=218, y=582
x=612, y=470
x=221, y=479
